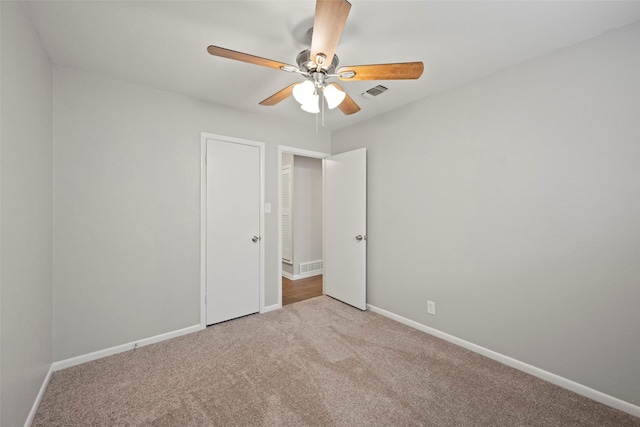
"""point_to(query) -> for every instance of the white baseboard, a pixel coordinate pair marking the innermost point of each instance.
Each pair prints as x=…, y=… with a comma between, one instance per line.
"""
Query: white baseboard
x=271, y=308
x=301, y=276
x=568, y=384
x=309, y=274
x=36, y=404
x=67, y=363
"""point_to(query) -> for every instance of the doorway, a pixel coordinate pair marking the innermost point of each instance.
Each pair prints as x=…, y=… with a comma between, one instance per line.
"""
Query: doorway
x=300, y=224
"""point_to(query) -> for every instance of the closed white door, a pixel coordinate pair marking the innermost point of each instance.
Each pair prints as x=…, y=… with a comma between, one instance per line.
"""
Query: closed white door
x=233, y=230
x=345, y=251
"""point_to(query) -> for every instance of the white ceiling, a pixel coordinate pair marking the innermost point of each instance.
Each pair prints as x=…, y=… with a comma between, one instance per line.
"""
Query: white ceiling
x=162, y=44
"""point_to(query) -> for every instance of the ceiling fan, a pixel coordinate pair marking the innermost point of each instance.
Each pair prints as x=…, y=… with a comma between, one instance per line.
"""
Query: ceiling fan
x=319, y=63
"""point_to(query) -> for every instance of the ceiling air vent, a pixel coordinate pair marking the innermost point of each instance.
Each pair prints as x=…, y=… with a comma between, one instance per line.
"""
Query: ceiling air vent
x=374, y=91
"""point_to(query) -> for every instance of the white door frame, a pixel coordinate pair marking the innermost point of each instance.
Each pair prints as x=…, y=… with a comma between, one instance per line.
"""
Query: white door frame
x=298, y=152
x=203, y=217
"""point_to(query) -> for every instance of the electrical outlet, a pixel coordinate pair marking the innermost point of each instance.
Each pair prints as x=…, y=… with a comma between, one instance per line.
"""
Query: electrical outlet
x=431, y=307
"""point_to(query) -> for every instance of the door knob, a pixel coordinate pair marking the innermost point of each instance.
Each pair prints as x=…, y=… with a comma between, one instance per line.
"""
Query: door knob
x=360, y=238
x=255, y=239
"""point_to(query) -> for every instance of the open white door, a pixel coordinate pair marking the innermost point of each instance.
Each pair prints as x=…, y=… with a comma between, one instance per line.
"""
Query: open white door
x=345, y=229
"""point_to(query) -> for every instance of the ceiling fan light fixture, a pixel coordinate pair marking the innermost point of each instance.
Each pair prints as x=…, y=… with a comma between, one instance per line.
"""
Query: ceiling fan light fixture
x=312, y=105
x=304, y=91
x=334, y=96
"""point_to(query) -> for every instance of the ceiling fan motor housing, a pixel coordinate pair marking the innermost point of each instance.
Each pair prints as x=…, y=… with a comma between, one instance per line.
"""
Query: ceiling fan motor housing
x=307, y=65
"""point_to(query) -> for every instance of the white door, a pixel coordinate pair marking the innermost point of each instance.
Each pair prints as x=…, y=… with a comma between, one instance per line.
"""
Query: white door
x=345, y=213
x=233, y=230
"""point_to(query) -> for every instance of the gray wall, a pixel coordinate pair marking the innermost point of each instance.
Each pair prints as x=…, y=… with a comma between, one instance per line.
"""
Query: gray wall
x=25, y=215
x=513, y=203
x=127, y=203
x=307, y=210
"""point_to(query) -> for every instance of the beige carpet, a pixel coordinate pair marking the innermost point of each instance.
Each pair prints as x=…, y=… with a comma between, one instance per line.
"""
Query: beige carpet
x=317, y=362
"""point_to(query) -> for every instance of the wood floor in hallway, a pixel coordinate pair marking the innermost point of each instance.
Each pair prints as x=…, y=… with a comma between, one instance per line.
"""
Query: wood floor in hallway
x=301, y=289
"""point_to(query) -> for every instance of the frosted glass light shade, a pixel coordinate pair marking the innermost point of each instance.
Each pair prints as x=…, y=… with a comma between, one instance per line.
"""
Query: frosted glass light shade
x=312, y=106
x=334, y=96
x=304, y=91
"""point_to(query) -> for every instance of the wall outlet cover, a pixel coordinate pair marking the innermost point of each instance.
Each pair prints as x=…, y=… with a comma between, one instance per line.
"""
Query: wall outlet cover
x=431, y=307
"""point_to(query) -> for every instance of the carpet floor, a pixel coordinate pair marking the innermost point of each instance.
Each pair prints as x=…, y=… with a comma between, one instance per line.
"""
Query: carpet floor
x=317, y=363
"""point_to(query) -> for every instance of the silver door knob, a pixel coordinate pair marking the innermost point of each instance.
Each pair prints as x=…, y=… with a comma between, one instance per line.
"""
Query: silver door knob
x=359, y=237
x=255, y=239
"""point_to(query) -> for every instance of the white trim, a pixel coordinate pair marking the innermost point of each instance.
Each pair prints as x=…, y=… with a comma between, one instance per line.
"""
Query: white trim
x=203, y=231
x=203, y=218
x=263, y=231
x=73, y=361
x=568, y=384
x=36, y=403
x=301, y=276
x=308, y=274
x=298, y=152
x=272, y=308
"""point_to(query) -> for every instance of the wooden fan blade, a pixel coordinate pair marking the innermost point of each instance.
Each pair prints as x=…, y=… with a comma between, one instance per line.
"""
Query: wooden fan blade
x=328, y=23
x=279, y=96
x=348, y=106
x=245, y=57
x=399, y=71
